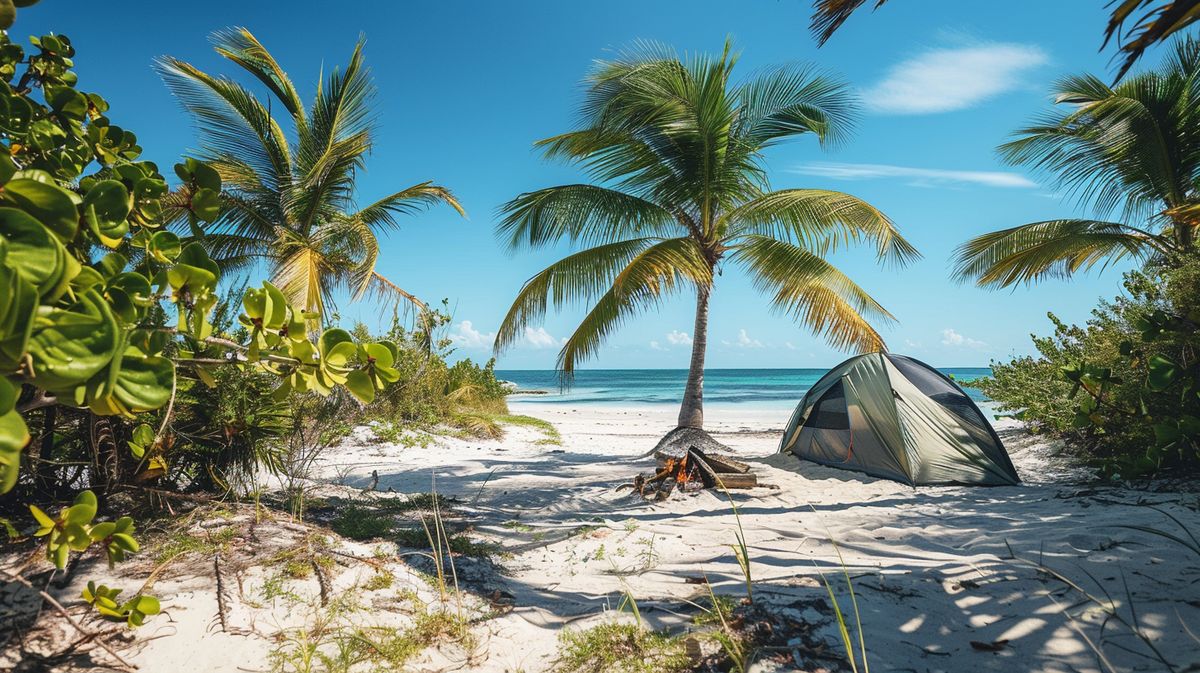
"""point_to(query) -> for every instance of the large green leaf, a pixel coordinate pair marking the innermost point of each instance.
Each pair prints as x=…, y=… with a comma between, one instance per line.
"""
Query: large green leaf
x=71, y=345
x=145, y=382
x=13, y=436
x=106, y=208
x=18, y=305
x=36, y=254
x=1162, y=372
x=50, y=204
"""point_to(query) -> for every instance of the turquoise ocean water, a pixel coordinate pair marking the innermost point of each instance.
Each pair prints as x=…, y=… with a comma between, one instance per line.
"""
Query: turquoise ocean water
x=780, y=388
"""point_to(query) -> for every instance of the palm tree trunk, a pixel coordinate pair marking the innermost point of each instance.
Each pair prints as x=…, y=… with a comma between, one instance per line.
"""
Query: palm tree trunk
x=691, y=413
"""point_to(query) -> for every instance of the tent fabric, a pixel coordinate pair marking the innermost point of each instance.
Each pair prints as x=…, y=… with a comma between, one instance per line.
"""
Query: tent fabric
x=895, y=417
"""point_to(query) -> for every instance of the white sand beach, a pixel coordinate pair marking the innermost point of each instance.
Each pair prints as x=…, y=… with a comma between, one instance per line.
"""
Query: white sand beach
x=933, y=568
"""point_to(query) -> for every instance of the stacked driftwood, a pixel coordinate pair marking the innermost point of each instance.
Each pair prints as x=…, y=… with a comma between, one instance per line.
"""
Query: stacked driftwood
x=691, y=470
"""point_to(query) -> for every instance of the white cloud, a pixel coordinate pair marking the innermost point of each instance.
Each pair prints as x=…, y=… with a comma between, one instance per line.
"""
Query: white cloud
x=655, y=346
x=913, y=344
x=744, y=340
x=789, y=345
x=466, y=336
x=920, y=177
x=947, y=79
x=953, y=338
x=677, y=338
x=540, y=338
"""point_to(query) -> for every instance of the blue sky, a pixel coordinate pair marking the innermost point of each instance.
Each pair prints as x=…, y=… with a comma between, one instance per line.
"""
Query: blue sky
x=466, y=87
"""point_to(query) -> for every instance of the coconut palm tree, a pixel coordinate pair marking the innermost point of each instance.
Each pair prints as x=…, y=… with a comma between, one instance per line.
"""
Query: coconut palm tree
x=289, y=196
x=1152, y=22
x=680, y=190
x=1130, y=150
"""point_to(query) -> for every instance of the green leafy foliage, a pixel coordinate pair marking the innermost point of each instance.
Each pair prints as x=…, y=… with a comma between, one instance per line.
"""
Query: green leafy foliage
x=90, y=275
x=1125, y=388
x=133, y=611
x=428, y=390
x=90, y=270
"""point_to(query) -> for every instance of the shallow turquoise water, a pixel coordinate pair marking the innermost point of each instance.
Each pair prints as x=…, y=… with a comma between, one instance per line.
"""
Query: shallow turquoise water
x=617, y=387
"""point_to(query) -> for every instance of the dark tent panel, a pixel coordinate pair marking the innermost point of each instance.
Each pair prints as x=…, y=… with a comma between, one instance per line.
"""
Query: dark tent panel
x=895, y=417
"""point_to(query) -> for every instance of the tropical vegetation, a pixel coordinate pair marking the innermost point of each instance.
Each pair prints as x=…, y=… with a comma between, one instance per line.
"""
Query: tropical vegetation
x=1123, y=390
x=104, y=312
x=1131, y=150
x=674, y=146
x=290, y=196
x=1126, y=387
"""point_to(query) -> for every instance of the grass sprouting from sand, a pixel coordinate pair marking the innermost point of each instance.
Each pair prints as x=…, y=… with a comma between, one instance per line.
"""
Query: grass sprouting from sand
x=620, y=647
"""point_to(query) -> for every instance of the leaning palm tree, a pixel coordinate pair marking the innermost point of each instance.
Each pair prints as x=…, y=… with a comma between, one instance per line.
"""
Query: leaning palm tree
x=290, y=199
x=1131, y=151
x=674, y=147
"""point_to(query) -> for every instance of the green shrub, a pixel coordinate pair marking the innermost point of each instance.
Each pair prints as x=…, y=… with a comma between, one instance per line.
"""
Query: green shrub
x=1124, y=389
x=430, y=391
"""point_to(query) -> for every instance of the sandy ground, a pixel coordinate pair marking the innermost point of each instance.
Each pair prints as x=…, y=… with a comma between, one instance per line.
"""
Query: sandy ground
x=942, y=575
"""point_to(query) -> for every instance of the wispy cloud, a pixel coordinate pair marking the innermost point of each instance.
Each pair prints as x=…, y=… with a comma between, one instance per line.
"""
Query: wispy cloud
x=948, y=79
x=466, y=336
x=677, y=338
x=952, y=338
x=655, y=346
x=745, y=341
x=921, y=177
x=540, y=338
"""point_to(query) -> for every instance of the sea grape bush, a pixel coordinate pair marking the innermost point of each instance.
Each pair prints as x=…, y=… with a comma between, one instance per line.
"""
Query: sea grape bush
x=88, y=265
x=1126, y=386
x=85, y=256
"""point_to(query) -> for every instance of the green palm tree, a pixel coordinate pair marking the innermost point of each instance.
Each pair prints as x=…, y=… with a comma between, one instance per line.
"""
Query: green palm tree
x=1130, y=150
x=289, y=198
x=674, y=147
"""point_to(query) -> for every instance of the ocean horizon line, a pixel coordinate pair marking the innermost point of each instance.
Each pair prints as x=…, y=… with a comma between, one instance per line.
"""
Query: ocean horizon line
x=708, y=369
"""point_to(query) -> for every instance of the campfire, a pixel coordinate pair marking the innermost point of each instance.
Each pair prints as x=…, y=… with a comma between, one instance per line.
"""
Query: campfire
x=692, y=470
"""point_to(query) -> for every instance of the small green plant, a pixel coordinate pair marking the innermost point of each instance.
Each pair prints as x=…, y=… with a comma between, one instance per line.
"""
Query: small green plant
x=381, y=580
x=297, y=569
x=853, y=654
x=614, y=647
x=133, y=611
x=720, y=612
x=740, y=551
x=363, y=523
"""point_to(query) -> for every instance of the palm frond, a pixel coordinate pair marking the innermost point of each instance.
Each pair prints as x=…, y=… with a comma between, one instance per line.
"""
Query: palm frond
x=240, y=46
x=1158, y=23
x=829, y=15
x=231, y=120
x=1132, y=147
x=580, y=213
x=820, y=220
x=580, y=277
x=809, y=289
x=380, y=287
x=786, y=101
x=408, y=201
x=298, y=273
x=651, y=275
x=1050, y=249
